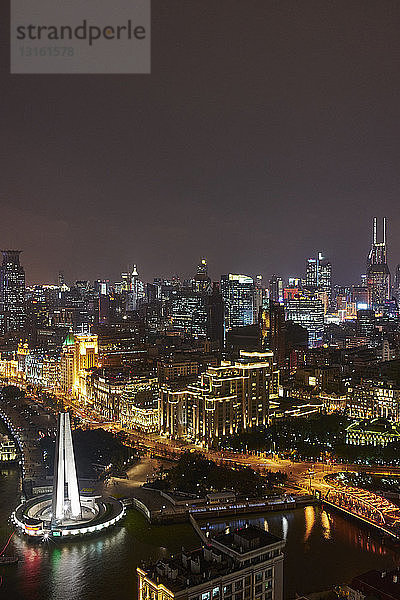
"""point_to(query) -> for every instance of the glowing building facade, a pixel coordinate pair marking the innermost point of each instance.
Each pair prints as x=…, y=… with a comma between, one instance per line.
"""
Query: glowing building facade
x=12, y=292
x=86, y=353
x=139, y=405
x=319, y=275
x=229, y=398
x=238, y=292
x=378, y=274
x=79, y=356
x=309, y=313
x=373, y=400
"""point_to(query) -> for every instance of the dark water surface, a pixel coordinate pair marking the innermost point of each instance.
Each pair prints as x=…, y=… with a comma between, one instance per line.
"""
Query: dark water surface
x=321, y=550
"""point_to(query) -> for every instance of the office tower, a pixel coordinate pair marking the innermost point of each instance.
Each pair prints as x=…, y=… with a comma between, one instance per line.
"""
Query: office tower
x=309, y=313
x=215, y=316
x=312, y=273
x=366, y=322
x=273, y=331
x=259, y=297
x=276, y=288
x=378, y=274
x=66, y=502
x=236, y=563
x=246, y=338
x=378, y=253
x=319, y=275
x=238, y=295
x=12, y=292
x=132, y=288
x=397, y=284
x=187, y=312
x=202, y=282
x=359, y=295
x=104, y=303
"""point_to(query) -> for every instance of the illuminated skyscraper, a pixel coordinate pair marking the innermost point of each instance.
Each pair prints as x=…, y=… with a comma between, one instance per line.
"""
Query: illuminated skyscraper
x=187, y=310
x=309, y=313
x=378, y=274
x=202, y=269
x=66, y=502
x=202, y=282
x=319, y=275
x=378, y=253
x=12, y=292
x=133, y=288
x=276, y=289
x=238, y=294
x=396, y=287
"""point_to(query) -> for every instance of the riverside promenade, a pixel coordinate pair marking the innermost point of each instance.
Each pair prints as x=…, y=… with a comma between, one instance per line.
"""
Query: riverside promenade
x=27, y=422
x=162, y=508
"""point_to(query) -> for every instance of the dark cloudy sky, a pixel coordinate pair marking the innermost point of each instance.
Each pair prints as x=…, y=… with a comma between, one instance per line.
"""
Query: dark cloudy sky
x=267, y=130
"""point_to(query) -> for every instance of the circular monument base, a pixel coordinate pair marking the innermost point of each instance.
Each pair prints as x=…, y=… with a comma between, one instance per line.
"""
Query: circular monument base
x=34, y=517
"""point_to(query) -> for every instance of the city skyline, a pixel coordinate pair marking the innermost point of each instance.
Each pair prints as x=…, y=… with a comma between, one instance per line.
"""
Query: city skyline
x=266, y=274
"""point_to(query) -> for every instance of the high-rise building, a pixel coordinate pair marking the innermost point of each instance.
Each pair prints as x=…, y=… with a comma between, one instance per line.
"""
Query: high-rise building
x=238, y=294
x=259, y=297
x=276, y=288
x=378, y=274
x=215, y=316
x=133, y=289
x=12, y=292
x=309, y=313
x=319, y=275
x=366, y=322
x=187, y=312
x=397, y=284
x=273, y=330
x=202, y=282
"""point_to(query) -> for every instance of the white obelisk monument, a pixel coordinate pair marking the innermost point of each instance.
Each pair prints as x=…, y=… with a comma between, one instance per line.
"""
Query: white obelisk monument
x=66, y=502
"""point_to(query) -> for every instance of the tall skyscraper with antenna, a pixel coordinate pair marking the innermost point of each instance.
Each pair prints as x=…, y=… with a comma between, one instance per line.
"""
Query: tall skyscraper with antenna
x=378, y=252
x=378, y=274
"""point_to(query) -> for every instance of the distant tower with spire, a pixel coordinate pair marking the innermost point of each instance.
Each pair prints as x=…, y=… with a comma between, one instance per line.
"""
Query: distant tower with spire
x=378, y=274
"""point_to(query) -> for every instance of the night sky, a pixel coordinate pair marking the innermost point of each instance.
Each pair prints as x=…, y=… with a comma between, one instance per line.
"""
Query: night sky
x=267, y=130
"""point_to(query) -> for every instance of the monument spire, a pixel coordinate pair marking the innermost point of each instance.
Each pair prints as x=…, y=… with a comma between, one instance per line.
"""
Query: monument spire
x=66, y=502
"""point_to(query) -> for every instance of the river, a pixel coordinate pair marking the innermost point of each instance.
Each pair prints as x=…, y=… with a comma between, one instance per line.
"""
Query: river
x=321, y=550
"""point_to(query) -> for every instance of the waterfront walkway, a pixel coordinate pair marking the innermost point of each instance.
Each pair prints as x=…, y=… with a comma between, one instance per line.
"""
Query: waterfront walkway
x=27, y=422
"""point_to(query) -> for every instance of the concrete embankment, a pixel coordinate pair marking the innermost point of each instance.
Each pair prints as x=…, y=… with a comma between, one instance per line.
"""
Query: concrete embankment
x=160, y=508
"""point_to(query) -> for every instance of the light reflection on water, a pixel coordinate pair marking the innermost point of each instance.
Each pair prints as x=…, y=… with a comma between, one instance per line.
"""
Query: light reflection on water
x=322, y=549
x=326, y=525
x=309, y=514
